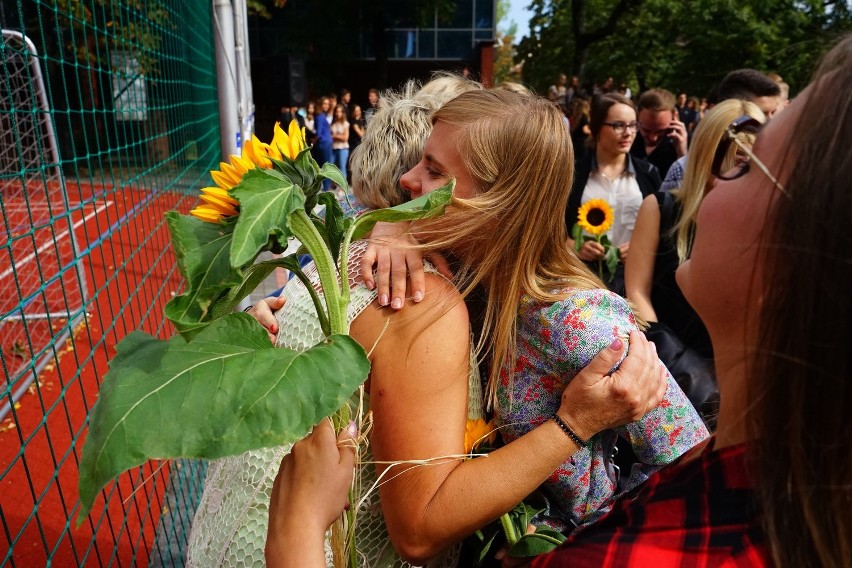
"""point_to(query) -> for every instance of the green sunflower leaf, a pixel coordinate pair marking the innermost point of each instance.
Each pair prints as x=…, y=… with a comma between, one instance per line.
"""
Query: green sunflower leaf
x=540, y=542
x=424, y=207
x=203, y=259
x=611, y=259
x=331, y=172
x=576, y=234
x=335, y=223
x=226, y=392
x=267, y=198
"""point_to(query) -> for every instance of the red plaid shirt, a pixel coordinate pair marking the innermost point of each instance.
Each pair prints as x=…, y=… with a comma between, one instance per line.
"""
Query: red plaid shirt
x=698, y=513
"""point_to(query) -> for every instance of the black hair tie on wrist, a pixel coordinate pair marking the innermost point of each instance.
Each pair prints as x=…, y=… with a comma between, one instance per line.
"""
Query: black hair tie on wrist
x=248, y=308
x=569, y=432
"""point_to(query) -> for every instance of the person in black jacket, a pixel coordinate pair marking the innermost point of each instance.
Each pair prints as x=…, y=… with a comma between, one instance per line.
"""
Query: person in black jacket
x=610, y=173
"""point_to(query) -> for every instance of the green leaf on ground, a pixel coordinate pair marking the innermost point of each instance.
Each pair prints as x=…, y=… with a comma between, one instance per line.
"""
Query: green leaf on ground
x=266, y=199
x=226, y=392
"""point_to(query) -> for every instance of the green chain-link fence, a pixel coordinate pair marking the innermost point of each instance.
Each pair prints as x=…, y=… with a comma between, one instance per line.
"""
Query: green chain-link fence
x=108, y=118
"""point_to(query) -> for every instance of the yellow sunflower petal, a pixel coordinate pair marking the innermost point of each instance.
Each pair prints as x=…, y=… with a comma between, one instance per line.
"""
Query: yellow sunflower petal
x=241, y=165
x=206, y=213
x=222, y=179
x=233, y=175
x=219, y=204
x=221, y=194
x=476, y=432
x=280, y=140
x=297, y=139
x=257, y=152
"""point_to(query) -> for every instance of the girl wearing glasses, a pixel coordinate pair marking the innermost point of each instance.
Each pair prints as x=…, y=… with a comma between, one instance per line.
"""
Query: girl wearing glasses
x=610, y=173
x=662, y=240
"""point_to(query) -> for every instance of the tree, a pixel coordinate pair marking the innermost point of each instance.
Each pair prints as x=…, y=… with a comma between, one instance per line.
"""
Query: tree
x=504, y=52
x=562, y=32
x=679, y=44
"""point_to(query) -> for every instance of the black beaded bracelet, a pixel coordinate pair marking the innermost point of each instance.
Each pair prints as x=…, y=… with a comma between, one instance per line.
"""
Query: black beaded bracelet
x=569, y=432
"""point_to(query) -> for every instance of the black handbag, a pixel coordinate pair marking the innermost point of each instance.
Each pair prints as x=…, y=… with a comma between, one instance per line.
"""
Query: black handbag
x=695, y=374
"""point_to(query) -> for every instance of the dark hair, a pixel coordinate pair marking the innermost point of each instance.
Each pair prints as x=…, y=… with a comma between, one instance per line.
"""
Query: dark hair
x=656, y=100
x=747, y=84
x=800, y=389
x=600, y=108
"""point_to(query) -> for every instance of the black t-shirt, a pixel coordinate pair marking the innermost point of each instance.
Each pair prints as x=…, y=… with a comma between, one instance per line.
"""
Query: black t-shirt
x=663, y=156
x=669, y=302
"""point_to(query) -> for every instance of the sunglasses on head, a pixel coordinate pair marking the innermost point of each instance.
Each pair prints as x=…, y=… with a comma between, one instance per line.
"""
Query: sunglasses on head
x=743, y=125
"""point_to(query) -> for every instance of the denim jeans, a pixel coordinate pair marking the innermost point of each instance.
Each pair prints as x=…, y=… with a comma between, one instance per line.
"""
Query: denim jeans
x=341, y=159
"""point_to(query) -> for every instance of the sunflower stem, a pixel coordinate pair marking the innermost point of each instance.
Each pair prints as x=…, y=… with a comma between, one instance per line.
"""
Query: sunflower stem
x=308, y=234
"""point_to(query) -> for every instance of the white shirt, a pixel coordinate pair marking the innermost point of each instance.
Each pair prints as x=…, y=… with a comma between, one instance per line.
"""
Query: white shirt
x=622, y=194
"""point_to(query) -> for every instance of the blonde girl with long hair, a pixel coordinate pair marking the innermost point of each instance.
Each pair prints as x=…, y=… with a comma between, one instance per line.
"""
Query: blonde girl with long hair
x=665, y=228
x=545, y=318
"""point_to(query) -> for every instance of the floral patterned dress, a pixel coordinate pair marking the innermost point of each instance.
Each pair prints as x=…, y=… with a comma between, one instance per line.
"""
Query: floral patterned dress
x=555, y=341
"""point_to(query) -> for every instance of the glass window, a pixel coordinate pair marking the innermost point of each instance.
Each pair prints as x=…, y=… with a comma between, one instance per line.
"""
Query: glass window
x=454, y=45
x=484, y=16
x=402, y=44
x=462, y=18
x=483, y=35
x=366, y=44
x=426, y=44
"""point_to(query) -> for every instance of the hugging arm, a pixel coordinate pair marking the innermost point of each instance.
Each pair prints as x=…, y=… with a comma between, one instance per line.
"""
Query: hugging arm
x=397, y=264
x=419, y=403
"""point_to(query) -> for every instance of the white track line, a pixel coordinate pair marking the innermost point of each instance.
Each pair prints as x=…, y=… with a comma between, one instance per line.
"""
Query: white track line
x=58, y=237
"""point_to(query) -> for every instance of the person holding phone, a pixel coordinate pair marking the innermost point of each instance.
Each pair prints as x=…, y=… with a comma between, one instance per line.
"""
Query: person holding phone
x=661, y=138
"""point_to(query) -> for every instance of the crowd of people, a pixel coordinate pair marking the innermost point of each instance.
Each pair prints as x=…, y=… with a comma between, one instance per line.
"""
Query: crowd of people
x=335, y=137
x=711, y=213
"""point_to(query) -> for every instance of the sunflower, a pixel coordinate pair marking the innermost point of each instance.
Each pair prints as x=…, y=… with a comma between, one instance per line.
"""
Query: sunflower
x=256, y=154
x=478, y=431
x=596, y=216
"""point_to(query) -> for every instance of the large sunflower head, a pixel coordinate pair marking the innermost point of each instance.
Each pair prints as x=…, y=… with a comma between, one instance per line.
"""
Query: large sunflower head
x=596, y=216
x=256, y=154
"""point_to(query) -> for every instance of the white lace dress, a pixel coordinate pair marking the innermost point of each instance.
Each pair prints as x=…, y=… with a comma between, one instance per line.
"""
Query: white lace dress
x=229, y=528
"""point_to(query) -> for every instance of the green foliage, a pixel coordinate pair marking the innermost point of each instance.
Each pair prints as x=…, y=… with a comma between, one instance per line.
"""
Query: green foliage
x=511, y=530
x=267, y=198
x=426, y=206
x=134, y=26
x=681, y=45
x=202, y=251
x=226, y=392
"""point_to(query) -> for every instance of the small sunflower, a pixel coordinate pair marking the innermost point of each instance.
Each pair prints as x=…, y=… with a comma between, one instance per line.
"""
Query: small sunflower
x=256, y=154
x=478, y=431
x=596, y=216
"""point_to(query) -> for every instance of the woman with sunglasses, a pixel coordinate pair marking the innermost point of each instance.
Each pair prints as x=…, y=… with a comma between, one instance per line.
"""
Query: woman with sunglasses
x=773, y=486
x=610, y=173
x=662, y=240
